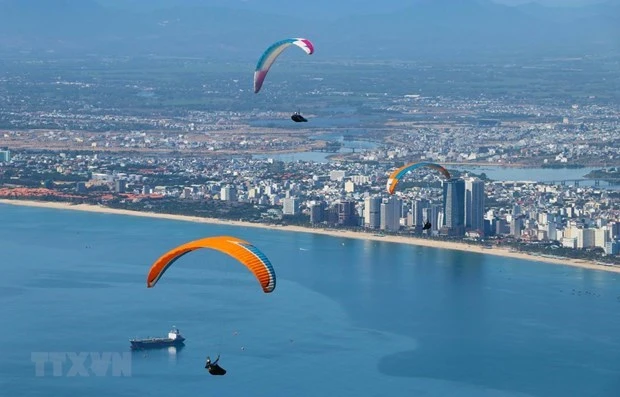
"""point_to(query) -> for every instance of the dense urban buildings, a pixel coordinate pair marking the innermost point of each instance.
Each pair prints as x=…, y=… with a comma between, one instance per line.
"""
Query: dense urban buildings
x=347, y=195
x=207, y=148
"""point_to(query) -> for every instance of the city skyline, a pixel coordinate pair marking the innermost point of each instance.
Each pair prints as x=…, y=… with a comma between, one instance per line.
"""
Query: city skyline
x=346, y=196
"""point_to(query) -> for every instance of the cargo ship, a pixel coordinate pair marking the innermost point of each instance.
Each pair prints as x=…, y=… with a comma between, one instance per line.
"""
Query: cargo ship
x=174, y=339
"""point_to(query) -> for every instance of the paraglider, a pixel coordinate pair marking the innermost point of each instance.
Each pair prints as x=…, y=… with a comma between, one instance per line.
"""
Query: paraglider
x=427, y=225
x=241, y=250
x=395, y=177
x=270, y=55
x=298, y=118
x=213, y=367
x=244, y=252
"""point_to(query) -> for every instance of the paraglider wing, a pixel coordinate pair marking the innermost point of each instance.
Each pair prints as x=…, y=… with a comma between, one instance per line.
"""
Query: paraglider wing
x=250, y=256
x=400, y=172
x=270, y=55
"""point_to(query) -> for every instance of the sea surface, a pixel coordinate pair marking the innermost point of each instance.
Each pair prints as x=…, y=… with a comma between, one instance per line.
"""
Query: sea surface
x=347, y=318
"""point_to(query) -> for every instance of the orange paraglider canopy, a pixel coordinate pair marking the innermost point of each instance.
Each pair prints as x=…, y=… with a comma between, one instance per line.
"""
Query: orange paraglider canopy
x=250, y=256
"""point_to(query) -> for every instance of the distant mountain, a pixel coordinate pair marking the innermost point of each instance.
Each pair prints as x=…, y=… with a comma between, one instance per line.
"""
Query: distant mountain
x=434, y=27
x=241, y=29
x=311, y=9
x=568, y=14
x=87, y=26
x=72, y=20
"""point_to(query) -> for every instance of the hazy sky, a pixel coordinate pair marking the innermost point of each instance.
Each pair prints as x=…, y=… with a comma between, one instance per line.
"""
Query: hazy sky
x=551, y=2
x=387, y=4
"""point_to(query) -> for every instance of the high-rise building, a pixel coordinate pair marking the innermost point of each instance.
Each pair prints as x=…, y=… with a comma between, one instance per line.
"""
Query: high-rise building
x=372, y=212
x=516, y=226
x=347, y=216
x=501, y=227
x=474, y=205
x=331, y=215
x=552, y=233
x=120, y=185
x=585, y=238
x=612, y=248
x=5, y=156
x=419, y=216
x=228, y=193
x=440, y=219
x=432, y=214
x=569, y=242
x=601, y=236
x=454, y=206
x=317, y=212
x=290, y=206
x=543, y=218
x=391, y=209
x=614, y=230
x=437, y=215
x=349, y=187
x=489, y=227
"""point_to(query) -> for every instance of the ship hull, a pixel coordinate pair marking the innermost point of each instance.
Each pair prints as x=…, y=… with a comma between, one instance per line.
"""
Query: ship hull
x=155, y=343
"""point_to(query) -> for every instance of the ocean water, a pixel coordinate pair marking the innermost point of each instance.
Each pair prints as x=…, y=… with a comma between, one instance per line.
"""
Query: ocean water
x=348, y=317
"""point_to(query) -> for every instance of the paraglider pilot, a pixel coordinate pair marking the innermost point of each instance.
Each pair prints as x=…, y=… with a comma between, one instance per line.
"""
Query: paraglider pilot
x=298, y=118
x=213, y=367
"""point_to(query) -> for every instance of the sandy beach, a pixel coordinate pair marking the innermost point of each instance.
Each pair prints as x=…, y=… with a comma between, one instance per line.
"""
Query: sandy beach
x=504, y=252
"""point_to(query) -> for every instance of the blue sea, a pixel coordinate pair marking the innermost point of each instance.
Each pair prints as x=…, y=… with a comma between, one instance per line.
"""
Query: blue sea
x=347, y=318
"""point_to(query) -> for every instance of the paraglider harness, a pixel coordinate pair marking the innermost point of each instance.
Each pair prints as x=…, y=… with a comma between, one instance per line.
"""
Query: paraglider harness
x=298, y=118
x=213, y=367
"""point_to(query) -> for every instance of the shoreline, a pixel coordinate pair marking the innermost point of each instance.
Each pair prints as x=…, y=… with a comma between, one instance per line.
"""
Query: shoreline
x=458, y=246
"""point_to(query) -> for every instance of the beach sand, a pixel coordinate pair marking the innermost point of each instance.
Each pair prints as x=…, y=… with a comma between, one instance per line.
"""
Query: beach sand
x=497, y=251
